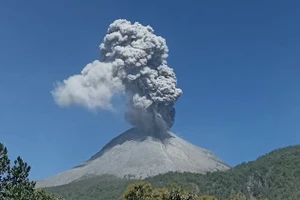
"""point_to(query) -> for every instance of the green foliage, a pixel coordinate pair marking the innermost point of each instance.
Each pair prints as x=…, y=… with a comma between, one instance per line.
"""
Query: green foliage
x=145, y=191
x=14, y=181
x=42, y=195
x=178, y=193
x=238, y=196
x=274, y=176
x=138, y=191
x=4, y=164
x=206, y=197
x=18, y=185
x=104, y=187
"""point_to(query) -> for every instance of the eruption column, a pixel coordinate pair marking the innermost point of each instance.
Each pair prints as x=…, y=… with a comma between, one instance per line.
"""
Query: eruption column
x=133, y=62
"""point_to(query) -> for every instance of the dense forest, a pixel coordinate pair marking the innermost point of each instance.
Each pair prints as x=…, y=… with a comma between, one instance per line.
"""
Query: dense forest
x=275, y=176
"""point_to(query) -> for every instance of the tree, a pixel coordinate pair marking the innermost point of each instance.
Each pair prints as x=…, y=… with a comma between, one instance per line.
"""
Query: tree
x=145, y=191
x=138, y=191
x=18, y=185
x=14, y=181
x=4, y=163
x=206, y=197
x=42, y=195
x=179, y=193
x=238, y=196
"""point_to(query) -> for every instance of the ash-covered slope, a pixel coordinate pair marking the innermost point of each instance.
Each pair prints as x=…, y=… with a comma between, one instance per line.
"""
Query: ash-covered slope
x=139, y=155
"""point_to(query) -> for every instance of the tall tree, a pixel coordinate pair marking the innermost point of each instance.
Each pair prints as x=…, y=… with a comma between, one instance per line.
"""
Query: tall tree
x=4, y=171
x=14, y=181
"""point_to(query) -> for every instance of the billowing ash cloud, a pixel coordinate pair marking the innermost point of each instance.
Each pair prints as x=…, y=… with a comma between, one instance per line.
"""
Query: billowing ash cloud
x=133, y=62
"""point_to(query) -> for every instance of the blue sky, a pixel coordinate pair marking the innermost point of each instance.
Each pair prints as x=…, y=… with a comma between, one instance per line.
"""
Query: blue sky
x=236, y=61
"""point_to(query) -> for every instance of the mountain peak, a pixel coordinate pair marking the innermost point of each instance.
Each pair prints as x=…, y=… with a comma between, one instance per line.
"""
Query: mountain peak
x=133, y=134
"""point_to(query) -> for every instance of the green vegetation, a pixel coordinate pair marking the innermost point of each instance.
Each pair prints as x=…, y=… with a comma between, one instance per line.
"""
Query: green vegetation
x=14, y=182
x=145, y=191
x=104, y=187
x=275, y=176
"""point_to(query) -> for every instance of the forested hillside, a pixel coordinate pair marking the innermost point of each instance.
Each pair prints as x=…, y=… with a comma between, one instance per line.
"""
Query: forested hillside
x=275, y=176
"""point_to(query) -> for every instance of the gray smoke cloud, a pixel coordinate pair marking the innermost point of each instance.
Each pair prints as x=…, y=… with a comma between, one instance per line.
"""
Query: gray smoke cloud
x=133, y=62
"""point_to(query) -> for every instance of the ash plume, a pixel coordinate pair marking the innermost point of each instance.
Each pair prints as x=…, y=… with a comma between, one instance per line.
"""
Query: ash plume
x=133, y=62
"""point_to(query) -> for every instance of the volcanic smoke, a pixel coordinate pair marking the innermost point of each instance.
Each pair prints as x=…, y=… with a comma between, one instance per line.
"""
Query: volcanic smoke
x=133, y=62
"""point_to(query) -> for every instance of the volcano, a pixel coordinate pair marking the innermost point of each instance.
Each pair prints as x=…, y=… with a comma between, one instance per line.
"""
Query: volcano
x=136, y=155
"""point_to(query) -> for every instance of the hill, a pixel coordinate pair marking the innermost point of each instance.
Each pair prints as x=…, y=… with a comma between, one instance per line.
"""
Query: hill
x=275, y=176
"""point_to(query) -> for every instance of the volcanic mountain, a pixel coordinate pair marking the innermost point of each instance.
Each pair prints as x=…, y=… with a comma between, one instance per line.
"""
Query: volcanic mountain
x=137, y=154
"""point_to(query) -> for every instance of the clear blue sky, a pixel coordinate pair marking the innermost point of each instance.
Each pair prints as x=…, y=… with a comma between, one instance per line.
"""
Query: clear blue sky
x=238, y=63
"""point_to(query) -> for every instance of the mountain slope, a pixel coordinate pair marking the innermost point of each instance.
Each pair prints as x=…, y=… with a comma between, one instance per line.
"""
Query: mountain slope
x=275, y=176
x=138, y=155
